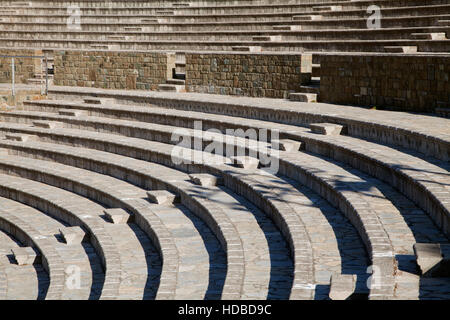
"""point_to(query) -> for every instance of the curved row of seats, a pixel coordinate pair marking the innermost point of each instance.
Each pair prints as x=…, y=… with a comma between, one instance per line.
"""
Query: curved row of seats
x=285, y=26
x=334, y=188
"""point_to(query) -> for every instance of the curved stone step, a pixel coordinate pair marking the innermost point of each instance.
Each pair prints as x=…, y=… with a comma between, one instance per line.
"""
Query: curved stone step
x=29, y=282
x=113, y=193
x=280, y=216
x=157, y=176
x=88, y=154
x=12, y=221
x=427, y=135
x=3, y=284
x=401, y=165
x=266, y=276
x=201, y=256
x=72, y=210
x=383, y=250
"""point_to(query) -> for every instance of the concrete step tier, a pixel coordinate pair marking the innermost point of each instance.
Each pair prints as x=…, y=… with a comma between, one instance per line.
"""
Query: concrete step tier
x=419, y=33
x=207, y=8
x=301, y=293
x=169, y=16
x=271, y=186
x=35, y=229
x=285, y=46
x=334, y=199
x=157, y=116
x=15, y=275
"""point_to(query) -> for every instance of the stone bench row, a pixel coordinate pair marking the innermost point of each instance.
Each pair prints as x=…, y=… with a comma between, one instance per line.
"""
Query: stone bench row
x=425, y=134
x=144, y=3
x=122, y=131
x=114, y=193
x=72, y=247
x=398, y=168
x=210, y=8
x=392, y=236
x=72, y=210
x=255, y=16
x=282, y=221
x=121, y=195
x=15, y=277
x=51, y=260
x=380, y=250
x=160, y=25
x=205, y=209
x=406, y=179
x=99, y=188
x=276, y=46
x=349, y=34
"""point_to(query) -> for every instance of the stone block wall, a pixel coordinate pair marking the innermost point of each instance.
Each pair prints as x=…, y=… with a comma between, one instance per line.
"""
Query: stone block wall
x=416, y=83
x=268, y=75
x=113, y=70
x=25, y=68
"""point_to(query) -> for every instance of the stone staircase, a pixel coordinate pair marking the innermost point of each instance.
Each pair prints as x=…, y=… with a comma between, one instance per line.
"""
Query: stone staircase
x=178, y=81
x=309, y=92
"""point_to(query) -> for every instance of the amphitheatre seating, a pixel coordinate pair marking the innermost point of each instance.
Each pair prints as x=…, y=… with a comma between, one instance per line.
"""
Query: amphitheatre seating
x=143, y=135
x=55, y=255
x=139, y=191
x=282, y=27
x=19, y=282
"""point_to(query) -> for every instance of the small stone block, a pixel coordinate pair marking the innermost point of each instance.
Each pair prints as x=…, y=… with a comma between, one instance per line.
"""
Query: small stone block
x=205, y=179
x=342, y=286
x=47, y=124
x=95, y=100
x=245, y=162
x=329, y=129
x=20, y=137
x=117, y=216
x=72, y=235
x=24, y=255
x=286, y=145
x=72, y=112
x=162, y=197
x=433, y=259
x=428, y=255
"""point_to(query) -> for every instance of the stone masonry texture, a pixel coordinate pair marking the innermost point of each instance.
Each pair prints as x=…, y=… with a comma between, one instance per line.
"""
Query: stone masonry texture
x=415, y=83
x=113, y=70
x=247, y=74
x=25, y=68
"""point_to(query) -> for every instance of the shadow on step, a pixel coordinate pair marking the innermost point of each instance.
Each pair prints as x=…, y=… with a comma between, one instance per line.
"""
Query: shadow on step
x=98, y=276
x=281, y=265
x=153, y=260
x=217, y=257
